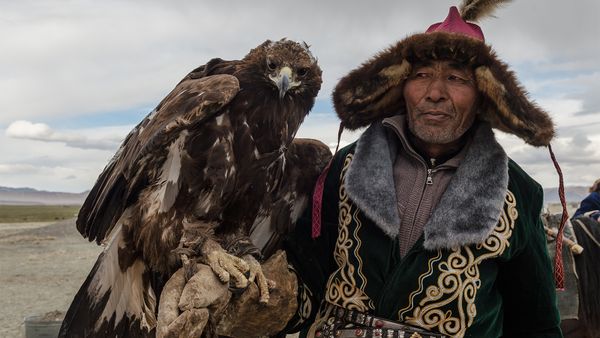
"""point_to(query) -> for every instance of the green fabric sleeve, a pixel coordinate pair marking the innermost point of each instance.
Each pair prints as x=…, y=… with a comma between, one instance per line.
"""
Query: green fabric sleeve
x=312, y=259
x=525, y=275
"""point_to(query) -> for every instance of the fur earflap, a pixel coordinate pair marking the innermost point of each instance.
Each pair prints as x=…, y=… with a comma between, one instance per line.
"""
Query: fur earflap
x=375, y=89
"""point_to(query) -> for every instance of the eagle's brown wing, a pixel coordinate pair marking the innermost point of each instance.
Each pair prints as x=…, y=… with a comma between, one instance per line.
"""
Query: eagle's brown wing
x=118, y=298
x=194, y=100
x=304, y=161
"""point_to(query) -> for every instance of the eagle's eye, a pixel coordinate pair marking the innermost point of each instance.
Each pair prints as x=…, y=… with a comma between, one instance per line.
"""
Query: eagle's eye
x=272, y=65
x=302, y=71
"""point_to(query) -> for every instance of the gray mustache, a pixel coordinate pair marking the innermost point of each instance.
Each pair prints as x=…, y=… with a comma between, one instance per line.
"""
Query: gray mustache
x=425, y=108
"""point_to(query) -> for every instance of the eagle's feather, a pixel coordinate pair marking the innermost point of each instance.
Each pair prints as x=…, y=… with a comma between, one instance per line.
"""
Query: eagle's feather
x=475, y=10
x=216, y=155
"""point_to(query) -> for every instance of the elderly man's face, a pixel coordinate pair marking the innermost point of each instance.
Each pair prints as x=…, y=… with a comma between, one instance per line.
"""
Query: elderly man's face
x=440, y=100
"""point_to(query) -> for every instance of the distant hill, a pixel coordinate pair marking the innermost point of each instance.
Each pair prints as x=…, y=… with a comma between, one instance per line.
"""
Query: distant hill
x=573, y=194
x=29, y=196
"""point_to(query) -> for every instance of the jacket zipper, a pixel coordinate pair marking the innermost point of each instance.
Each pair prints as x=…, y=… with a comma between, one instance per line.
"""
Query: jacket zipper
x=430, y=172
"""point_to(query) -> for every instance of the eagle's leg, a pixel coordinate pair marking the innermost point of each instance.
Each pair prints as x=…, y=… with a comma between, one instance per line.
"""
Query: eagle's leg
x=197, y=244
x=188, y=266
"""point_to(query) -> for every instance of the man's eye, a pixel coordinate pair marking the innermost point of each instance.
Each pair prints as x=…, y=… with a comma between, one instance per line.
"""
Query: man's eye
x=456, y=78
x=421, y=75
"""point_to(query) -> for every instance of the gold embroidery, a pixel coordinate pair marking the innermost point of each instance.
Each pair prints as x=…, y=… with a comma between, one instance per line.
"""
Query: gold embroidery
x=306, y=305
x=305, y=300
x=429, y=272
x=342, y=287
x=459, y=281
x=357, y=248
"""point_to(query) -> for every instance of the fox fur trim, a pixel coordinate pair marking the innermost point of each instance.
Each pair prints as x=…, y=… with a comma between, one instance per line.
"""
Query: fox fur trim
x=375, y=89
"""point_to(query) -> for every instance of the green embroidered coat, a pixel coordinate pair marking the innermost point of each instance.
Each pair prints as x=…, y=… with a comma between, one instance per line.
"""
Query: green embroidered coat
x=480, y=268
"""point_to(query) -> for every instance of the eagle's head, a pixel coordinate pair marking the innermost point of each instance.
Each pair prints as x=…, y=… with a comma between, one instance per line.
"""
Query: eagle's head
x=289, y=67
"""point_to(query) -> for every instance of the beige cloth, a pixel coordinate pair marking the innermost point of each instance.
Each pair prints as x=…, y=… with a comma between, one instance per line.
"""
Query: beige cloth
x=416, y=198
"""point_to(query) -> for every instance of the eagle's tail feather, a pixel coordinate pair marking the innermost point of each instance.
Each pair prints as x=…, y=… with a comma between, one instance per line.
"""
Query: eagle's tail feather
x=113, y=302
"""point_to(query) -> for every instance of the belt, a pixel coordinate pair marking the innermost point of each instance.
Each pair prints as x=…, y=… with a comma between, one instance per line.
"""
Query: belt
x=368, y=326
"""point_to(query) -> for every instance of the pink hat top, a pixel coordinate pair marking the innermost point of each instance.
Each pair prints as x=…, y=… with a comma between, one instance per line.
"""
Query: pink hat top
x=454, y=23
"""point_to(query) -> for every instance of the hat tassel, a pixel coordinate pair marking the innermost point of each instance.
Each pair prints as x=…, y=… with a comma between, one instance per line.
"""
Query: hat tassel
x=559, y=278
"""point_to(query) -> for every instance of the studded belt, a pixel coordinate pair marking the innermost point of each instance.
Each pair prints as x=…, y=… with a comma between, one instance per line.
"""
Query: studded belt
x=364, y=325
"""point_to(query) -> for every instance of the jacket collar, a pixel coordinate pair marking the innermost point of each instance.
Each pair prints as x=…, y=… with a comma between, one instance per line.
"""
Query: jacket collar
x=399, y=126
x=468, y=210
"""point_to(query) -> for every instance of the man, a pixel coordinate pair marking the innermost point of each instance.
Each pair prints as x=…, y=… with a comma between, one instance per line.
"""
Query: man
x=425, y=221
x=424, y=227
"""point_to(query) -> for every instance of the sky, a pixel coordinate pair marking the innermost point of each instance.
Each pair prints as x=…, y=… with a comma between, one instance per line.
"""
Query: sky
x=76, y=76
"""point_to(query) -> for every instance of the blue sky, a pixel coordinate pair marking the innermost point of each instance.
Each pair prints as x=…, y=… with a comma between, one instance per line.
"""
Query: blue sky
x=75, y=76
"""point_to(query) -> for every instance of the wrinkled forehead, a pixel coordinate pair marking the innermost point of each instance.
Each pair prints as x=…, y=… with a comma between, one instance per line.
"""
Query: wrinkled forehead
x=444, y=65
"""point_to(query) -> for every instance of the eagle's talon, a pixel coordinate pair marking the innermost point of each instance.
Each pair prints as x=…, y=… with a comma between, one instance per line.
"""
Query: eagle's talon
x=236, y=291
x=257, y=275
x=227, y=267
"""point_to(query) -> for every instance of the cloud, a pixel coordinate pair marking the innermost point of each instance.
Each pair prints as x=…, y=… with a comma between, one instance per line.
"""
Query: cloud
x=41, y=132
x=26, y=129
x=51, y=165
x=78, y=58
x=67, y=61
x=578, y=157
x=20, y=169
x=324, y=127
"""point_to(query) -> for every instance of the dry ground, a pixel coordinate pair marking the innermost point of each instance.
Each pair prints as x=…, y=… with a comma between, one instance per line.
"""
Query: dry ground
x=42, y=266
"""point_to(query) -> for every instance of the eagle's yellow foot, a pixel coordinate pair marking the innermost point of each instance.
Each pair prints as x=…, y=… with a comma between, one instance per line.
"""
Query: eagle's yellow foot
x=256, y=274
x=227, y=267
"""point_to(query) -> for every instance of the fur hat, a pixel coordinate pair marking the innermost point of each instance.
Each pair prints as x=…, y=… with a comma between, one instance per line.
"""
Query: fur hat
x=375, y=89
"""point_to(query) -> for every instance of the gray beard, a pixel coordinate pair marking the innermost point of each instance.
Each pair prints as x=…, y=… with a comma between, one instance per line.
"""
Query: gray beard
x=437, y=137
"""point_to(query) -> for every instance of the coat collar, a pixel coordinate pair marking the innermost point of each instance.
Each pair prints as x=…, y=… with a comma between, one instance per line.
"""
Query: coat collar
x=468, y=210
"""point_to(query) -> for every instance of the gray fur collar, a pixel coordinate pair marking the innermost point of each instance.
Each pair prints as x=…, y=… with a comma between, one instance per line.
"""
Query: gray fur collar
x=468, y=210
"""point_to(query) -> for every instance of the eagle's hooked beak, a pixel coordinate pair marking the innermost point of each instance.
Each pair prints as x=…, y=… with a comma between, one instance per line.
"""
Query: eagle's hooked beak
x=283, y=83
x=282, y=80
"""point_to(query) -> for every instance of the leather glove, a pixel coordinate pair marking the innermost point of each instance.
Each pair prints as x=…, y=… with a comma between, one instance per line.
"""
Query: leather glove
x=185, y=309
x=205, y=304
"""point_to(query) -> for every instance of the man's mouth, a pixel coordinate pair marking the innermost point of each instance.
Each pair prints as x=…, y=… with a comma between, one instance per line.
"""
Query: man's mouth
x=436, y=116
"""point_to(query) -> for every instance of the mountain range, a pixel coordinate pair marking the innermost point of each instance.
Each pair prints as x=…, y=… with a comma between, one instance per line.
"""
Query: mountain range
x=30, y=196
x=573, y=194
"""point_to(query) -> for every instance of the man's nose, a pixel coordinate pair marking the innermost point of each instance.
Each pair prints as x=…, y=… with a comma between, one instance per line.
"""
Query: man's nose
x=437, y=91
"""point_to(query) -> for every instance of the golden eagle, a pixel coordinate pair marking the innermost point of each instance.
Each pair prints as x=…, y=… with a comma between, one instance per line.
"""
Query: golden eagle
x=216, y=166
